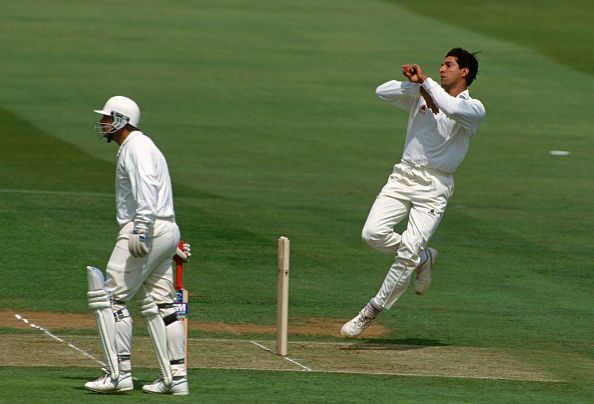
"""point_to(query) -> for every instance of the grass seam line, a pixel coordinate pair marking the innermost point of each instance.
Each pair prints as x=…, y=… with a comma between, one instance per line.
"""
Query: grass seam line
x=49, y=192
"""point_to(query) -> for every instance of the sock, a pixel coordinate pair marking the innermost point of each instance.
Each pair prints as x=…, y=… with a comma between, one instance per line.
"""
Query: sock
x=178, y=371
x=373, y=309
x=125, y=365
x=423, y=257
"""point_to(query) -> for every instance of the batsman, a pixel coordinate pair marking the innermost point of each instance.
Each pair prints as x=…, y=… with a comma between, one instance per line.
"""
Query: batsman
x=141, y=264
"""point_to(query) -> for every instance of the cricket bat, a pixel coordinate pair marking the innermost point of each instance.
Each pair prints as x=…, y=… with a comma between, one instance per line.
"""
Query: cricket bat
x=182, y=299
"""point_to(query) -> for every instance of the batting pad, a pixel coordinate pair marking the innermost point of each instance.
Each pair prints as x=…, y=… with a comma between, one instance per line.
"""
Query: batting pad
x=100, y=304
x=156, y=327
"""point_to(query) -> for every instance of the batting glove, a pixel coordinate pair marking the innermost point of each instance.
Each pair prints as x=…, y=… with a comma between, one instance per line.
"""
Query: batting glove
x=184, y=253
x=137, y=242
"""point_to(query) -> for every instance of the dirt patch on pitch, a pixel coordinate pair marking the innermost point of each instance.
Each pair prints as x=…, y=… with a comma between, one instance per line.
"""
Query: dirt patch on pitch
x=299, y=326
x=416, y=360
x=47, y=320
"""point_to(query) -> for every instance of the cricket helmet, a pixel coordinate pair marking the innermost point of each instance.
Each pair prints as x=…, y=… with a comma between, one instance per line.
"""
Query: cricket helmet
x=124, y=112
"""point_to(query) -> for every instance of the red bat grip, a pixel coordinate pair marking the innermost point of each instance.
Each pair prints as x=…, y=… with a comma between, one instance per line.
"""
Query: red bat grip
x=179, y=268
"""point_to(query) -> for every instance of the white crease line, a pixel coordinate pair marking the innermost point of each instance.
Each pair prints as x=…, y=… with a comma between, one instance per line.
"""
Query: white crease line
x=284, y=357
x=37, y=327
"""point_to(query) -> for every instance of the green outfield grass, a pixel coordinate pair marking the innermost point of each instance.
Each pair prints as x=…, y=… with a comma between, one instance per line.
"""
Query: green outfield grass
x=226, y=386
x=267, y=115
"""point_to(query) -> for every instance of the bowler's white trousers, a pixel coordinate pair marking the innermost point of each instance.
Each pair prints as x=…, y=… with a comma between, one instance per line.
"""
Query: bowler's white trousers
x=152, y=274
x=412, y=192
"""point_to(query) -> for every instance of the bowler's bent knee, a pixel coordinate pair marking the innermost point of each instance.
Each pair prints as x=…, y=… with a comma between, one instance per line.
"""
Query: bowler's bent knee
x=374, y=238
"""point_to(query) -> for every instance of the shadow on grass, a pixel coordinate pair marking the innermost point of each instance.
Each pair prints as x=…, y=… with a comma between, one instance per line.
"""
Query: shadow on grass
x=404, y=344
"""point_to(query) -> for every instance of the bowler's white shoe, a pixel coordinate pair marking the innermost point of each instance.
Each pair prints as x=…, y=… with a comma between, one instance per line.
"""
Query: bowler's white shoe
x=105, y=384
x=179, y=387
x=354, y=327
x=423, y=277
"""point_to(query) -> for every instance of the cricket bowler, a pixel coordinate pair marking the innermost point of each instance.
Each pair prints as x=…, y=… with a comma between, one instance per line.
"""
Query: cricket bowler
x=443, y=118
x=141, y=263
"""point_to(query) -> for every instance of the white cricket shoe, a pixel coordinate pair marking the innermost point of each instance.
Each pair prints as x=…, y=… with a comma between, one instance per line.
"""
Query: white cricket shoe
x=179, y=387
x=354, y=327
x=105, y=384
x=423, y=277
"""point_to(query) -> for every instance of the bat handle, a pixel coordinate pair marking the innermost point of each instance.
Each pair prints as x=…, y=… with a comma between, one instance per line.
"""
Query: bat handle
x=179, y=269
x=179, y=275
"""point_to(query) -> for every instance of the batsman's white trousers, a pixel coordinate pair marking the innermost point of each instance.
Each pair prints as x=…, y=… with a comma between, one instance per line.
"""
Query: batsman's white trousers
x=151, y=275
x=412, y=192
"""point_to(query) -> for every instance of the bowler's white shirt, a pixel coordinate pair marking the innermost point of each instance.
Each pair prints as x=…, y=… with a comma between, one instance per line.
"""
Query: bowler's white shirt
x=143, y=186
x=436, y=141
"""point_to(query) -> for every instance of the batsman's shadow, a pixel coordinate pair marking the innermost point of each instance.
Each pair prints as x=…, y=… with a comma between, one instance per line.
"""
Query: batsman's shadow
x=404, y=344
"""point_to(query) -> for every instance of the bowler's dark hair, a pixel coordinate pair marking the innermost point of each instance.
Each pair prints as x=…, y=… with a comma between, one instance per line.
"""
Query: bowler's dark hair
x=468, y=60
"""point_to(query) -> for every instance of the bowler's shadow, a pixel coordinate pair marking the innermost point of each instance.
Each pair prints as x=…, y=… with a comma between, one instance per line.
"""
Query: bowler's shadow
x=404, y=344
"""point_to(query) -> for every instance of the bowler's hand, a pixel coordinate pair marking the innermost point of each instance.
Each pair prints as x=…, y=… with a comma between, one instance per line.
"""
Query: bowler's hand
x=409, y=72
x=414, y=73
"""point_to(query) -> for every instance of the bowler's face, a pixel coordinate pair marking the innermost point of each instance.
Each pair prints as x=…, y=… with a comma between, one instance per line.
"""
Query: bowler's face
x=450, y=72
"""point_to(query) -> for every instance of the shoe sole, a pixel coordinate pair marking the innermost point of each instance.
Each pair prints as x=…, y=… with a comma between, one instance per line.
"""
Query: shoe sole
x=421, y=292
x=347, y=335
x=344, y=334
x=174, y=393
x=118, y=391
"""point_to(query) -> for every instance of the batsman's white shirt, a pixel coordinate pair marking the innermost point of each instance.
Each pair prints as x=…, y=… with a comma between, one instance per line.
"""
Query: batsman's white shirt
x=436, y=141
x=143, y=185
x=143, y=198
